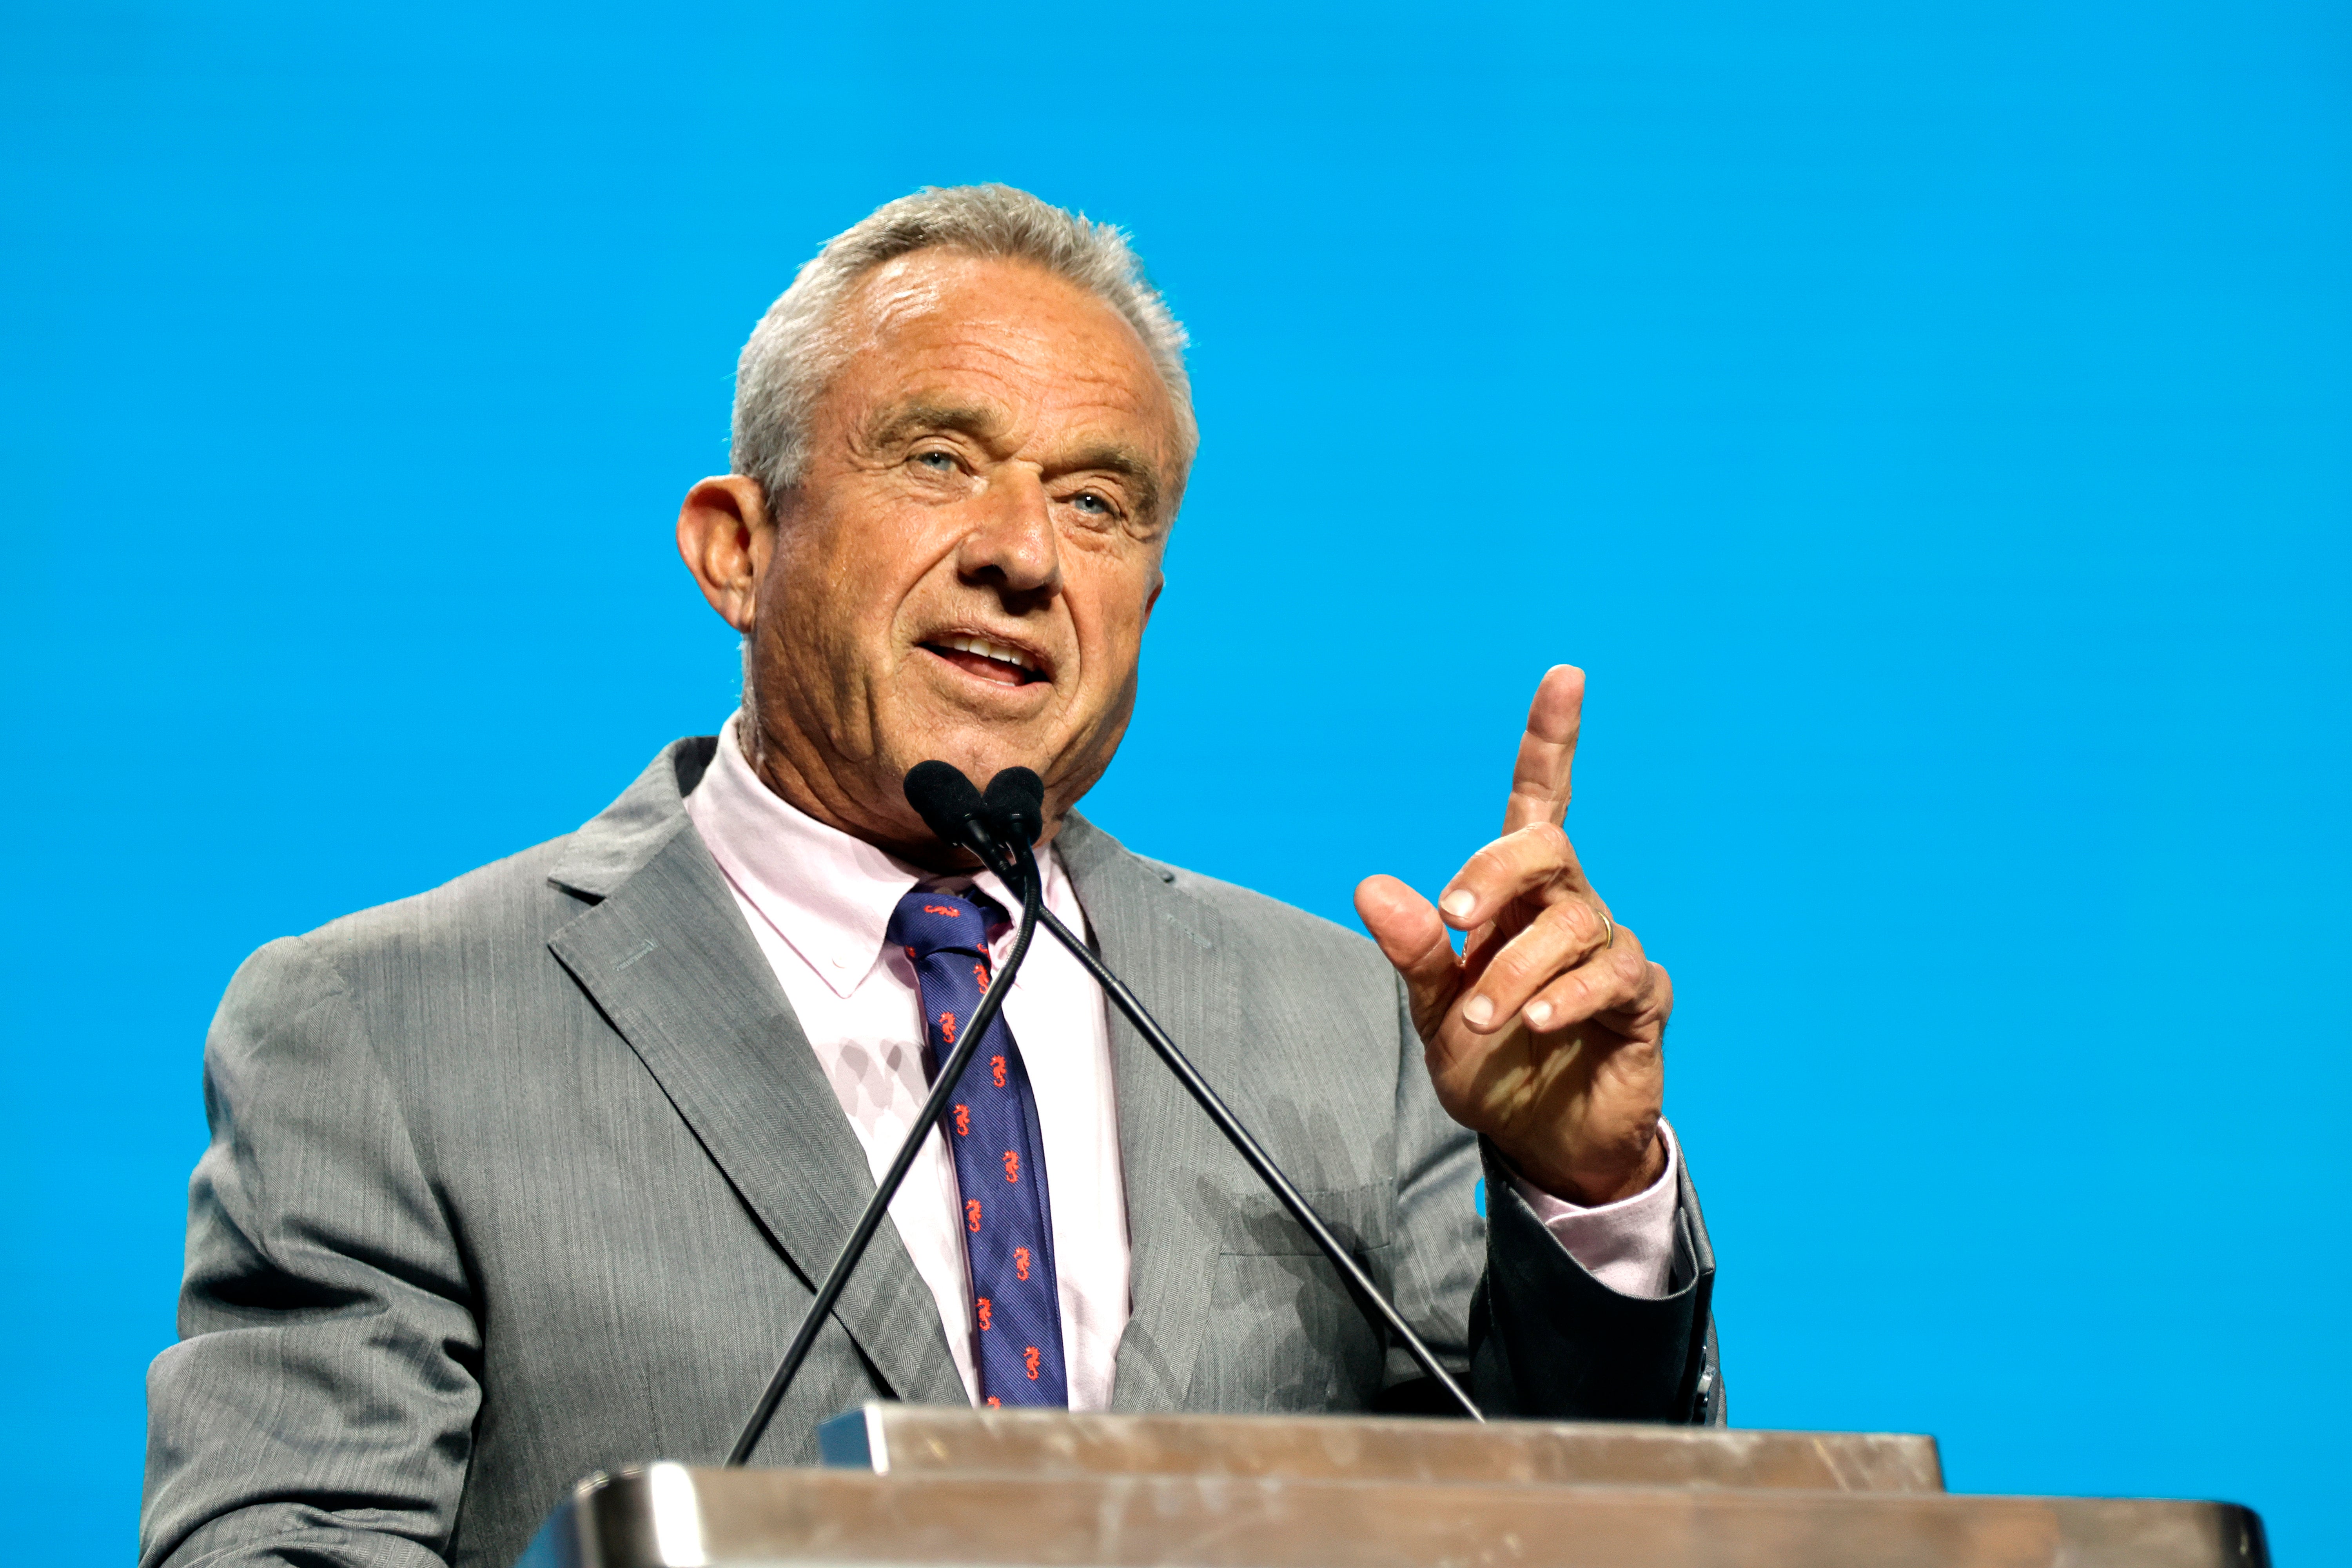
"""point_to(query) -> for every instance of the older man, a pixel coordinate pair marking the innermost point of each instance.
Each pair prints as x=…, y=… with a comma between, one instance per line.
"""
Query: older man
x=534, y=1175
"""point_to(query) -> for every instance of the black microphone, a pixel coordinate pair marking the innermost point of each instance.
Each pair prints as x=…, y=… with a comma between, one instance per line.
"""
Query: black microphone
x=1015, y=806
x=954, y=809
x=1013, y=813
x=951, y=808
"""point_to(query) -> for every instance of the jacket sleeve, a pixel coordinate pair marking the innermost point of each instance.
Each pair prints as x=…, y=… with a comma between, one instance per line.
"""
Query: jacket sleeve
x=318, y=1408
x=1544, y=1338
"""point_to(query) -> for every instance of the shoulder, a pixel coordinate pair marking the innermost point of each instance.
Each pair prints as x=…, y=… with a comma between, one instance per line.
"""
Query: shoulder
x=1267, y=920
x=1225, y=916
x=486, y=930
x=477, y=927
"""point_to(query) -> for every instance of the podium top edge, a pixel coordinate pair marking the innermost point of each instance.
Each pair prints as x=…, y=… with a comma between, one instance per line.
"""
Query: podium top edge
x=886, y=1409
x=666, y=1515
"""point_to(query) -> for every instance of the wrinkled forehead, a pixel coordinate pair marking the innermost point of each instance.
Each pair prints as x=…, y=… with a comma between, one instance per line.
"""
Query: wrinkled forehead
x=936, y=321
x=904, y=290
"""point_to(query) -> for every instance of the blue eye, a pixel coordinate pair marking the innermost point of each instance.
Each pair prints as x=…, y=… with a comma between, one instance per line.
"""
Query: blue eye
x=1089, y=501
x=938, y=462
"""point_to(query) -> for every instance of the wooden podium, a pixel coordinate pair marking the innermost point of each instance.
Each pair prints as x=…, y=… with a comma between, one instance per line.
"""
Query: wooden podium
x=911, y=1485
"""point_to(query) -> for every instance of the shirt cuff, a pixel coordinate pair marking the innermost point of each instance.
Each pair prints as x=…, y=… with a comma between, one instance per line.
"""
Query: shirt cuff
x=1628, y=1245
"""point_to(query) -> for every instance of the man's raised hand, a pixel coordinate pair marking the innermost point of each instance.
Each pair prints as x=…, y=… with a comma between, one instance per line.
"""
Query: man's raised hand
x=1546, y=1035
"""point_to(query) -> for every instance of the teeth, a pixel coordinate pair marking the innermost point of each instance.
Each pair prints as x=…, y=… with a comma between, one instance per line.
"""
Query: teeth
x=988, y=649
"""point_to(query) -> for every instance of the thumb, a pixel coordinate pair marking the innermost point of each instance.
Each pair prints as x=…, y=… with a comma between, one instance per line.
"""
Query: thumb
x=1412, y=938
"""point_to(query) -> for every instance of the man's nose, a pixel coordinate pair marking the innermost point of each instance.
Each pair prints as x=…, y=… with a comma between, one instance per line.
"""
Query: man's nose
x=1011, y=544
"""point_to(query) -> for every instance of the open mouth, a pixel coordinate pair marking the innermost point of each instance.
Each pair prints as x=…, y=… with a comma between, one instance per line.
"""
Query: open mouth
x=997, y=662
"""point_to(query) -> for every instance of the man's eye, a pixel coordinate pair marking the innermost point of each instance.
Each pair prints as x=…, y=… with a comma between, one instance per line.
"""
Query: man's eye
x=938, y=462
x=1091, y=504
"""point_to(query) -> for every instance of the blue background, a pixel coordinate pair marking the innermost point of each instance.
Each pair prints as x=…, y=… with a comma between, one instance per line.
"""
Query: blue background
x=1928, y=423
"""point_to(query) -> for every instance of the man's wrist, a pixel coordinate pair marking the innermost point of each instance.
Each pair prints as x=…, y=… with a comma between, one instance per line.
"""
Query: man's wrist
x=1630, y=1245
x=1590, y=1184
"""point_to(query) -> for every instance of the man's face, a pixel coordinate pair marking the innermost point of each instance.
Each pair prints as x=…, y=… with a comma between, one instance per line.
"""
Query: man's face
x=967, y=566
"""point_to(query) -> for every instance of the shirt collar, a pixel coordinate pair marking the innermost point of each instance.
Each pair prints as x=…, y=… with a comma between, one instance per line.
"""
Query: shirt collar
x=828, y=894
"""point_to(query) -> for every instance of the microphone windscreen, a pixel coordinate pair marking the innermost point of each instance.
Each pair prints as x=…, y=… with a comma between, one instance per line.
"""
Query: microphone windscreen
x=1017, y=802
x=943, y=798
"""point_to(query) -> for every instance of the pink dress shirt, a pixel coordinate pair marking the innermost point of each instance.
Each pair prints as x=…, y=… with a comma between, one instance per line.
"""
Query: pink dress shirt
x=818, y=900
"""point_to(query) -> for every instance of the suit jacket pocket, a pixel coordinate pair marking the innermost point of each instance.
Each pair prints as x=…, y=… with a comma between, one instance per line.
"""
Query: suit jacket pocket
x=1283, y=1330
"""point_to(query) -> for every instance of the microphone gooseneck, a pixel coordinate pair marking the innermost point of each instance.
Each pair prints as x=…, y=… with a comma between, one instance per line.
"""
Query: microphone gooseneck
x=940, y=792
x=1011, y=814
x=1000, y=827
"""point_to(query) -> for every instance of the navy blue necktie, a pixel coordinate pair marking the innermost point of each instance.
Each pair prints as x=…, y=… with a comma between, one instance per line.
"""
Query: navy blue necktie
x=1000, y=1157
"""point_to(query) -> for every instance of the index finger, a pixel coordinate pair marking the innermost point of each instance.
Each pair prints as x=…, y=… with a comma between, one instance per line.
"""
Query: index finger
x=1539, y=779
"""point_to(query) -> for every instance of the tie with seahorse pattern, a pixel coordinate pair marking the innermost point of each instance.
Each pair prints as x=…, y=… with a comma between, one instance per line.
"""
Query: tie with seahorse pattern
x=991, y=1129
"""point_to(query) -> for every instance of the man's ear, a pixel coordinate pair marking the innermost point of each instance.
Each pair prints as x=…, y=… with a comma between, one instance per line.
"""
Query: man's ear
x=725, y=536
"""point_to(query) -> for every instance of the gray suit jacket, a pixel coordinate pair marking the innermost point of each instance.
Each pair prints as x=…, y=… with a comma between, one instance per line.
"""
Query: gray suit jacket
x=532, y=1176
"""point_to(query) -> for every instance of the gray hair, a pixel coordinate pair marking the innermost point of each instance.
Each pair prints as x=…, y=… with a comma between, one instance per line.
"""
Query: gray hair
x=793, y=353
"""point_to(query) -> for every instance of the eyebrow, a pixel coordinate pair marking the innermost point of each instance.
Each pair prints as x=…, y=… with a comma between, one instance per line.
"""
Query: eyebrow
x=1116, y=458
x=983, y=423
x=976, y=420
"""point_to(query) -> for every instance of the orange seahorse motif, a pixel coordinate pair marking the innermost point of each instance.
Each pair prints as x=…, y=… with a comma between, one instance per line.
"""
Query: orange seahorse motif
x=995, y=1068
x=963, y=1120
x=1012, y=1165
x=971, y=1214
x=981, y=1310
x=1021, y=1263
x=1029, y=1358
x=947, y=1029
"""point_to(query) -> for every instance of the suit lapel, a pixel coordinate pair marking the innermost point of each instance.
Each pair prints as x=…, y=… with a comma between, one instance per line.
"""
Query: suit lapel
x=666, y=957
x=1166, y=1145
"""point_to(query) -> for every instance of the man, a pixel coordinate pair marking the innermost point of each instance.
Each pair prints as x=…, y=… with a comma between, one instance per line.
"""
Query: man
x=534, y=1174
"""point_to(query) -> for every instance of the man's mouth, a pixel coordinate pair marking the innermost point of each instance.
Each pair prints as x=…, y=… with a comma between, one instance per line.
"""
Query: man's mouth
x=993, y=662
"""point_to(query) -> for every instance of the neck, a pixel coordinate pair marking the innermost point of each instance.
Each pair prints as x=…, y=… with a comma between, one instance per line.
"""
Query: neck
x=816, y=793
